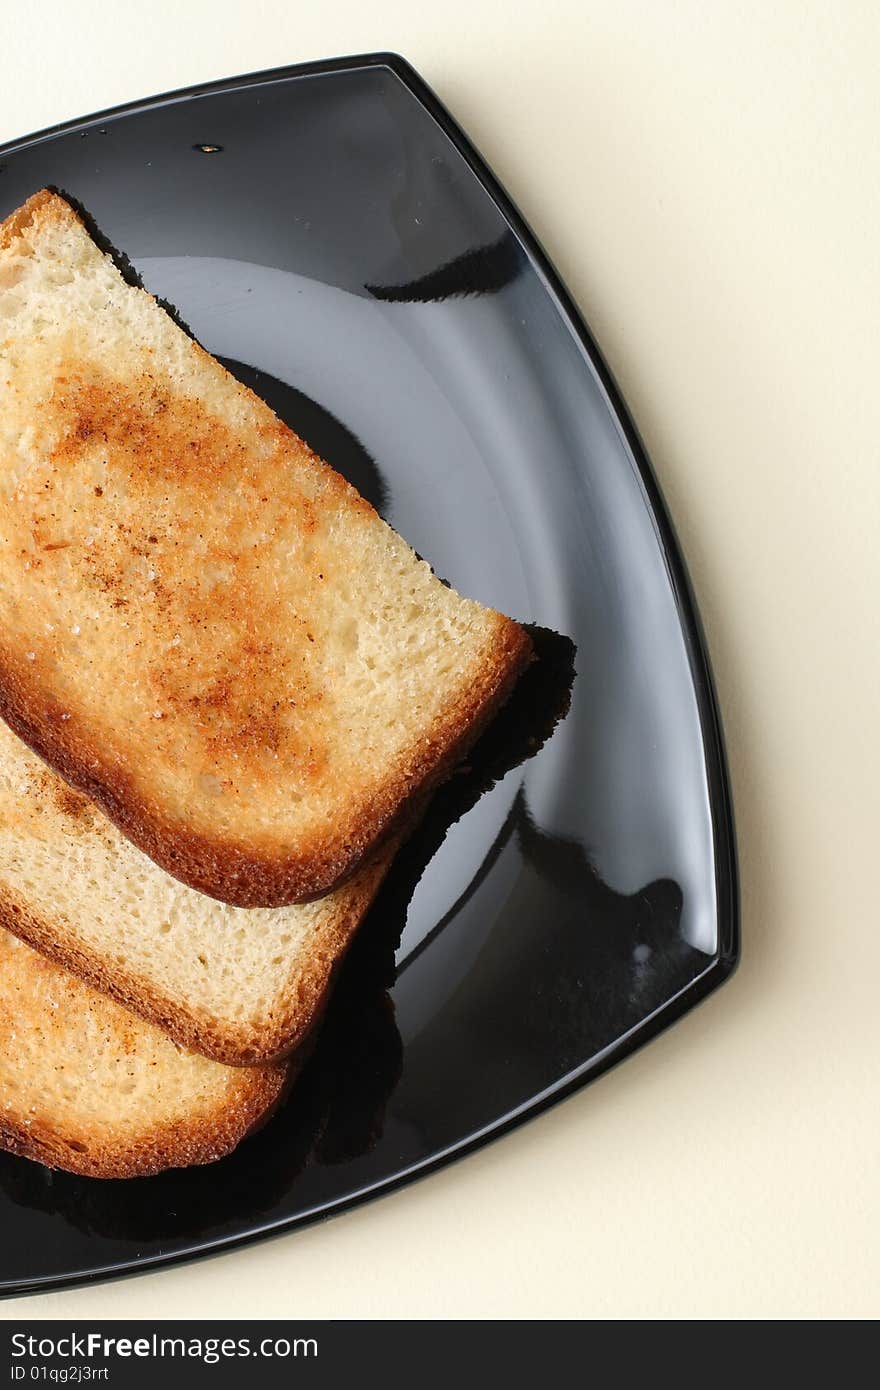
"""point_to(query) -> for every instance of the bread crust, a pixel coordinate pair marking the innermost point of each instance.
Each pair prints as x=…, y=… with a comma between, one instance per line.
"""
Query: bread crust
x=42, y=204
x=242, y=873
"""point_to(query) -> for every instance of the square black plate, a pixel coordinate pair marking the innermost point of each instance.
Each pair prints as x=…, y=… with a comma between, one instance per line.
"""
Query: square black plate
x=329, y=231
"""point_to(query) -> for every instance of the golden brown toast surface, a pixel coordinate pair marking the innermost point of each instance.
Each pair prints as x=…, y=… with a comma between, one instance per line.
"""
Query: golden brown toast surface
x=202, y=625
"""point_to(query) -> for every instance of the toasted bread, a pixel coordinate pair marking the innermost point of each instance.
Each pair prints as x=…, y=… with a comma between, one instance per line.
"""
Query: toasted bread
x=202, y=625
x=239, y=985
x=87, y=1086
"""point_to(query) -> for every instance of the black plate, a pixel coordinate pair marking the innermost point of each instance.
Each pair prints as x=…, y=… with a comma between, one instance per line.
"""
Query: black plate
x=330, y=232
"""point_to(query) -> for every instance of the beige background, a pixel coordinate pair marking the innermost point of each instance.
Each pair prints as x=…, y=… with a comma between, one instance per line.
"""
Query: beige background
x=706, y=178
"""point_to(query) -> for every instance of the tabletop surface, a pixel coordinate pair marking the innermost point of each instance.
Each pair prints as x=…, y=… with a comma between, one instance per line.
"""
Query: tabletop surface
x=705, y=179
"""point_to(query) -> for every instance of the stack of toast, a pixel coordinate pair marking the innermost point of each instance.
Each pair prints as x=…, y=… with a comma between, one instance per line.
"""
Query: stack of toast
x=227, y=688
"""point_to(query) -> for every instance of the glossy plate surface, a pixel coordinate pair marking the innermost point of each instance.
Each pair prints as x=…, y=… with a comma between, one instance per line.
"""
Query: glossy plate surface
x=331, y=235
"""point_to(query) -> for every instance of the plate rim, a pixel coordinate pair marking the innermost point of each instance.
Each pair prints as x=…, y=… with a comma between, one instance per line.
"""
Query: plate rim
x=727, y=956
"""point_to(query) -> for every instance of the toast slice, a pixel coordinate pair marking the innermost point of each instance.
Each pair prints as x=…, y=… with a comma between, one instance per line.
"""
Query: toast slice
x=202, y=625
x=240, y=985
x=87, y=1086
